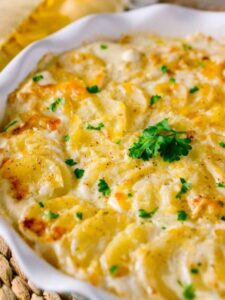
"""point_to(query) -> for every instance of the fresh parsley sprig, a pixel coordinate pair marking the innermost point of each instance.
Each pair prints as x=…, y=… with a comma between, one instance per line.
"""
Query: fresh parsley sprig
x=103, y=187
x=161, y=139
x=185, y=186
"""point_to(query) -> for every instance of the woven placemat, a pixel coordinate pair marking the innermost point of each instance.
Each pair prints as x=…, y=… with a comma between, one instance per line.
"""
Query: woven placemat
x=14, y=284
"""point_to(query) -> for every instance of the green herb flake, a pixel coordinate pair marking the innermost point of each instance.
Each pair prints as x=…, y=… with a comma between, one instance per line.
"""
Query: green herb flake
x=187, y=47
x=185, y=186
x=188, y=292
x=103, y=187
x=142, y=213
x=10, y=124
x=103, y=46
x=79, y=215
x=194, y=270
x=172, y=80
x=161, y=139
x=221, y=203
x=164, y=69
x=222, y=144
x=154, y=99
x=41, y=204
x=66, y=138
x=94, y=89
x=79, y=173
x=118, y=142
x=113, y=269
x=53, y=107
x=70, y=162
x=222, y=218
x=51, y=215
x=194, y=89
x=37, y=78
x=130, y=195
x=220, y=184
x=98, y=127
x=182, y=215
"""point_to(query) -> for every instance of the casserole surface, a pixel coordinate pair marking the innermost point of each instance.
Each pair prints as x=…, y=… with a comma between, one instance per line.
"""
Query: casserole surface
x=89, y=195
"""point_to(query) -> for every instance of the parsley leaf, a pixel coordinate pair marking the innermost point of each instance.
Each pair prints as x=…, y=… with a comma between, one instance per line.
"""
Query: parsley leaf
x=53, y=107
x=79, y=215
x=94, y=89
x=160, y=139
x=70, y=162
x=41, y=204
x=193, y=90
x=66, y=138
x=221, y=184
x=79, y=173
x=188, y=292
x=113, y=269
x=222, y=218
x=10, y=124
x=222, y=144
x=51, y=215
x=172, y=80
x=98, y=127
x=194, y=270
x=164, y=69
x=182, y=215
x=154, y=99
x=142, y=213
x=185, y=186
x=103, y=187
x=37, y=78
x=104, y=46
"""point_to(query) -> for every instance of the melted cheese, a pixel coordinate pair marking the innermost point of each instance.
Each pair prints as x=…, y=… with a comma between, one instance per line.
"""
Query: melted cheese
x=102, y=239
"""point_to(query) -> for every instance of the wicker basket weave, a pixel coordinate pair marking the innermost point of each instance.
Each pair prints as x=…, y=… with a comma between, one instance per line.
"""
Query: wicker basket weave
x=13, y=283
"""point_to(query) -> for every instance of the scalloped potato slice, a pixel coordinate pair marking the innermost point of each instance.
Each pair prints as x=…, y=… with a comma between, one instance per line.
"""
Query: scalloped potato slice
x=50, y=220
x=85, y=244
x=45, y=176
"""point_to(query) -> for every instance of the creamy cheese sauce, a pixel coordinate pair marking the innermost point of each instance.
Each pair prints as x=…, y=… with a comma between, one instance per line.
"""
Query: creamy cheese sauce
x=141, y=229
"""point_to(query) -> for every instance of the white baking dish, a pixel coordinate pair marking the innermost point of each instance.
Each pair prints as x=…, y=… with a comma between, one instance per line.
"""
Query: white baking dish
x=164, y=19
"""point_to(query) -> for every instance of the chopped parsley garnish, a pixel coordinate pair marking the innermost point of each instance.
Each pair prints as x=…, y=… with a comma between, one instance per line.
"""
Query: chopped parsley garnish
x=222, y=218
x=193, y=90
x=194, y=270
x=187, y=47
x=142, y=213
x=53, y=107
x=51, y=215
x=104, y=46
x=164, y=69
x=188, y=292
x=221, y=184
x=94, y=89
x=79, y=215
x=185, y=186
x=222, y=144
x=98, y=127
x=118, y=142
x=10, y=124
x=154, y=99
x=103, y=187
x=66, y=138
x=41, y=204
x=113, y=269
x=79, y=173
x=37, y=78
x=130, y=195
x=161, y=139
x=70, y=162
x=172, y=80
x=182, y=215
x=221, y=203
